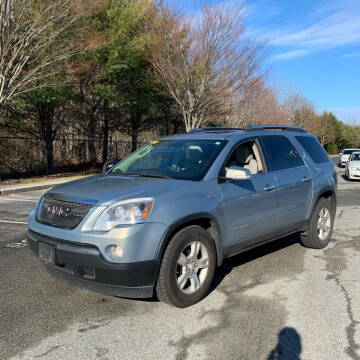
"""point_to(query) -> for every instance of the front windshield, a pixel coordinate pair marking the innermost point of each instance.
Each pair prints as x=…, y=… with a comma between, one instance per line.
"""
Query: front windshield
x=355, y=157
x=348, y=152
x=179, y=159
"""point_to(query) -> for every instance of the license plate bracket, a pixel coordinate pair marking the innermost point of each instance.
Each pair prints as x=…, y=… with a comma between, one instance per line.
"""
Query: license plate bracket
x=46, y=253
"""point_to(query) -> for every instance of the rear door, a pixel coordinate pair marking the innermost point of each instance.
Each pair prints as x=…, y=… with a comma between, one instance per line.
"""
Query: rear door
x=293, y=179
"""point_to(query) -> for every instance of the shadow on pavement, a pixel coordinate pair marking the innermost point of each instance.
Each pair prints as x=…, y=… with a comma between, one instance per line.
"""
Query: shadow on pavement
x=288, y=346
x=221, y=272
x=250, y=255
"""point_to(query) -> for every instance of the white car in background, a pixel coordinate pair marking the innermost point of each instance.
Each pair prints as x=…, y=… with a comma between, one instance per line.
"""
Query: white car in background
x=345, y=156
x=352, y=171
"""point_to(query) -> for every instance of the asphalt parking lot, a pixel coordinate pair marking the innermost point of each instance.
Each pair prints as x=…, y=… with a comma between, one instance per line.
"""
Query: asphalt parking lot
x=280, y=301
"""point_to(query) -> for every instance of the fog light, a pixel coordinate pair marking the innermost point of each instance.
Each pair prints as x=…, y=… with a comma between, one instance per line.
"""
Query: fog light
x=115, y=251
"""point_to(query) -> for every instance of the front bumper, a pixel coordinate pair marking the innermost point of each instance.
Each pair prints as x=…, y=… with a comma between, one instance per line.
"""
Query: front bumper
x=354, y=175
x=84, y=265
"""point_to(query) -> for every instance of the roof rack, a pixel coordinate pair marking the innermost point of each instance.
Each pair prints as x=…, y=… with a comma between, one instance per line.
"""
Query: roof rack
x=214, y=129
x=250, y=128
x=275, y=127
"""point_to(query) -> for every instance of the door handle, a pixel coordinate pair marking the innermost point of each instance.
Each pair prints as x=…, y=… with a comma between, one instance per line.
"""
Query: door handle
x=269, y=187
x=305, y=179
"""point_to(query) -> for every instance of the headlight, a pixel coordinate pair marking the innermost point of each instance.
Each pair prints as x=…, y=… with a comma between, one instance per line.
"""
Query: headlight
x=352, y=168
x=128, y=212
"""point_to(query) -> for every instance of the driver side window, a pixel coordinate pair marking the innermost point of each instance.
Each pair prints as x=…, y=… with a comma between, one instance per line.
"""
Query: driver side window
x=247, y=155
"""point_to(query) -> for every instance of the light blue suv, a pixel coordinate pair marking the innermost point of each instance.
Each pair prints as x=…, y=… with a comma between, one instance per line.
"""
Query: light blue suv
x=163, y=219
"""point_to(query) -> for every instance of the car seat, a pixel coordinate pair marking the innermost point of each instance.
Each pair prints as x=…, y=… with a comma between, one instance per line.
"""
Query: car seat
x=245, y=158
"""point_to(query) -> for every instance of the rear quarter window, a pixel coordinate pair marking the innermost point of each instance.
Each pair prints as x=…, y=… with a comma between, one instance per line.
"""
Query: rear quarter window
x=312, y=146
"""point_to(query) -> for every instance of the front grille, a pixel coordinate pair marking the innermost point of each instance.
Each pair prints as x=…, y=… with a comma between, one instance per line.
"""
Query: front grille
x=62, y=214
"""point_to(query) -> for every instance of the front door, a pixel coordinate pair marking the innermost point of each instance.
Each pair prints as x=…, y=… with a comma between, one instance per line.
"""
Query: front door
x=249, y=206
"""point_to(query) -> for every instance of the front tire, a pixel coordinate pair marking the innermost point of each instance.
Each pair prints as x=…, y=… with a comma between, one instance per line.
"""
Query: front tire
x=321, y=225
x=187, y=268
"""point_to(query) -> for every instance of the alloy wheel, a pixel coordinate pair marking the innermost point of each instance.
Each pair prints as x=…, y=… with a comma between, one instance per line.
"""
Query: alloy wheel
x=192, y=267
x=324, y=223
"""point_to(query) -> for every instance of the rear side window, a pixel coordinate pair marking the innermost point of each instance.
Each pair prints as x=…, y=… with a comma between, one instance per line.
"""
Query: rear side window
x=282, y=155
x=313, y=148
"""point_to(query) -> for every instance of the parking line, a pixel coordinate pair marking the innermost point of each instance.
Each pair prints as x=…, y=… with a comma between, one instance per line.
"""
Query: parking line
x=13, y=222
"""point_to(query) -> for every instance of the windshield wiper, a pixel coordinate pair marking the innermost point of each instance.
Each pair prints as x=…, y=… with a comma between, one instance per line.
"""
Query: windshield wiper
x=122, y=174
x=159, y=176
x=153, y=175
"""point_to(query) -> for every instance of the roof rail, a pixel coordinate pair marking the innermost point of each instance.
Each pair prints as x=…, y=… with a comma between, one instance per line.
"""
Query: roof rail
x=213, y=129
x=250, y=128
x=276, y=127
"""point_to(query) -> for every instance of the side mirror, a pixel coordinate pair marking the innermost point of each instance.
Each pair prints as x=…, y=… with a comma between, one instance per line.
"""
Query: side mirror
x=109, y=165
x=340, y=153
x=237, y=173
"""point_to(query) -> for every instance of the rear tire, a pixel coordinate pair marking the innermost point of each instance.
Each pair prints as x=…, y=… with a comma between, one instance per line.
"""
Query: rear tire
x=187, y=268
x=321, y=225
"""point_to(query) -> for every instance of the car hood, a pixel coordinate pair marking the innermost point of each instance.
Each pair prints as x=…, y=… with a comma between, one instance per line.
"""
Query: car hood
x=107, y=189
x=354, y=163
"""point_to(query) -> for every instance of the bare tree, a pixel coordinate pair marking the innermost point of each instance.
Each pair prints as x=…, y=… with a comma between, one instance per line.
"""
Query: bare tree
x=325, y=128
x=206, y=61
x=261, y=106
x=300, y=110
x=30, y=33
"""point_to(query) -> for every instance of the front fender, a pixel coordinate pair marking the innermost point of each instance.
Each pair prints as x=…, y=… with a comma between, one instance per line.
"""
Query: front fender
x=188, y=220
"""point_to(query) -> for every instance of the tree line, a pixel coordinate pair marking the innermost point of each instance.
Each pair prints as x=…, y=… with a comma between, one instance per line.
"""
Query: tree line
x=130, y=70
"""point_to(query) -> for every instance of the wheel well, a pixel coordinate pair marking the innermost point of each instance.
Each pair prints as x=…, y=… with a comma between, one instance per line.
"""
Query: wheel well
x=328, y=195
x=206, y=223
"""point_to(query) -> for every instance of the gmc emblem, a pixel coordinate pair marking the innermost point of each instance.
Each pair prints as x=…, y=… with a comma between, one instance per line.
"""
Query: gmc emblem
x=58, y=210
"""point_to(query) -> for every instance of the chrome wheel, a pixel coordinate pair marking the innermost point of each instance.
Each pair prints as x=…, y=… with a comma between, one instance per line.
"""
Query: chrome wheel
x=192, y=267
x=324, y=223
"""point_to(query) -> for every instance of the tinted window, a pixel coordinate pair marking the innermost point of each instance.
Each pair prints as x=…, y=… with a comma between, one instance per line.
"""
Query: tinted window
x=313, y=148
x=282, y=155
x=348, y=152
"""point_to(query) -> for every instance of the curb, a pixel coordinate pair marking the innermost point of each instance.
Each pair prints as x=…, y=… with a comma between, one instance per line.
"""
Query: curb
x=25, y=189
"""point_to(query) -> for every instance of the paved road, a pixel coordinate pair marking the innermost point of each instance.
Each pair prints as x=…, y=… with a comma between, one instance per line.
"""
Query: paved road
x=281, y=301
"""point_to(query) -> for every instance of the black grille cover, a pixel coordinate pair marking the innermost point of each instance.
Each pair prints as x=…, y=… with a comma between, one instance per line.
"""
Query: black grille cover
x=62, y=214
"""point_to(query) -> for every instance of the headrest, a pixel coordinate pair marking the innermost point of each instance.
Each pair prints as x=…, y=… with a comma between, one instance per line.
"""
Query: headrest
x=243, y=155
x=195, y=154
